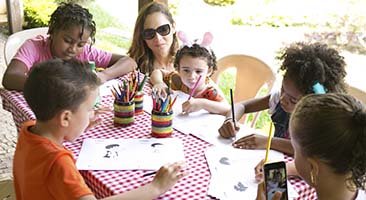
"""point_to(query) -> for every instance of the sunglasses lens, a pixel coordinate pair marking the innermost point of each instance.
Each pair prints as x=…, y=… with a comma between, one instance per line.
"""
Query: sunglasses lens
x=163, y=30
x=148, y=34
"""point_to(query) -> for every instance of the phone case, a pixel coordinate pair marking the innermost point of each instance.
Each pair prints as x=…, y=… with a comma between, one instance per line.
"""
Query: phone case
x=275, y=178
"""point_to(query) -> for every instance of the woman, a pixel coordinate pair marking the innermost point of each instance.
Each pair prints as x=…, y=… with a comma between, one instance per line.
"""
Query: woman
x=154, y=42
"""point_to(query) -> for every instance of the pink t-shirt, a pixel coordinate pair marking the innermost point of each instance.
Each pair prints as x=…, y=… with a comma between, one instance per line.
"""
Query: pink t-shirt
x=38, y=49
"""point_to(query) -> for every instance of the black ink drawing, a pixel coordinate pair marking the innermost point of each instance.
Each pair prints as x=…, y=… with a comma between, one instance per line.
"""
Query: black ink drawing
x=156, y=146
x=224, y=161
x=240, y=187
x=112, y=151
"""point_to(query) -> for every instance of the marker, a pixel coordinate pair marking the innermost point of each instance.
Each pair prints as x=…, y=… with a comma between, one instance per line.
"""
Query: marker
x=149, y=174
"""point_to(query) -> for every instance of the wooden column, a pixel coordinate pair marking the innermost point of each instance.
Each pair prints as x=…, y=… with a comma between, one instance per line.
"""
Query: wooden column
x=15, y=15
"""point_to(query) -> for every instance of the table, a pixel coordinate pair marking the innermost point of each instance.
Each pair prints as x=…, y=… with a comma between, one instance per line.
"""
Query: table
x=106, y=183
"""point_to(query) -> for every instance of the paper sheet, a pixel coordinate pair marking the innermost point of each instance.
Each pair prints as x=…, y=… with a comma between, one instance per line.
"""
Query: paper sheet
x=232, y=172
x=127, y=154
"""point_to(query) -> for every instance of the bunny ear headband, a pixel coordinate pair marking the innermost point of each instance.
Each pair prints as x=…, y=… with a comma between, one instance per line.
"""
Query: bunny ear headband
x=206, y=40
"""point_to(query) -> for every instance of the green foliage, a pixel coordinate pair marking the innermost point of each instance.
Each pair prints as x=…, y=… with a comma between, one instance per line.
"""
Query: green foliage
x=237, y=21
x=81, y=2
x=219, y=2
x=102, y=18
x=37, y=13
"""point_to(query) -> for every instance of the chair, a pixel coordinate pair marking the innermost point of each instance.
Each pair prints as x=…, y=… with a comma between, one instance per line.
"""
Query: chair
x=357, y=93
x=251, y=75
x=15, y=40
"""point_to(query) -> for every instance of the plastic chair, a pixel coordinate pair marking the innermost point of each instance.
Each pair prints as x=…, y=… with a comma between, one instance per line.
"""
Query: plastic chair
x=357, y=93
x=251, y=75
x=15, y=40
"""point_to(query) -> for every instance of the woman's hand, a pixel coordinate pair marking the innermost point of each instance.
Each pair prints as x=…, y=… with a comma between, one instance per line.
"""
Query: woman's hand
x=258, y=170
x=252, y=141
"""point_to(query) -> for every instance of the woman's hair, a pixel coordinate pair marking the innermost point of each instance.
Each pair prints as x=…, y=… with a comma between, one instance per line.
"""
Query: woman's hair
x=332, y=128
x=307, y=64
x=56, y=85
x=196, y=51
x=139, y=51
x=69, y=14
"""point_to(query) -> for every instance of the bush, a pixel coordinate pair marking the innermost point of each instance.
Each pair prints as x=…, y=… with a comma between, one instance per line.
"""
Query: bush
x=219, y=2
x=38, y=13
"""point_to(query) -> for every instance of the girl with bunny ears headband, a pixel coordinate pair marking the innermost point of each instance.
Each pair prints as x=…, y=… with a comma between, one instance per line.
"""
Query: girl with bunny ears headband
x=194, y=63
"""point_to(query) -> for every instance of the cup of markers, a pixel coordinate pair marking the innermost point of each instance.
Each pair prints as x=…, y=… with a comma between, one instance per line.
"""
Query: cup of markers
x=162, y=116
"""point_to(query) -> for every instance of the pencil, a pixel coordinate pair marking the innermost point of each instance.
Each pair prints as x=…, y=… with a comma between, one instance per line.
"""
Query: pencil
x=232, y=106
x=149, y=174
x=268, y=143
x=194, y=87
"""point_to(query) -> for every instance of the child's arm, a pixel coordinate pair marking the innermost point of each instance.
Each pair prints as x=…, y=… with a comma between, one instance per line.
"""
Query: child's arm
x=216, y=107
x=15, y=75
x=255, y=141
x=164, y=179
x=118, y=66
x=157, y=80
x=227, y=129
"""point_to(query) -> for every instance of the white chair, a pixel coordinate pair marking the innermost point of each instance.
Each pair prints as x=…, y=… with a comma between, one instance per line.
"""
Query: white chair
x=15, y=40
x=251, y=75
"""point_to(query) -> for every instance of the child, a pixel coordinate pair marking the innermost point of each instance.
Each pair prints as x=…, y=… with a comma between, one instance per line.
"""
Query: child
x=71, y=28
x=194, y=63
x=308, y=68
x=328, y=134
x=63, y=104
x=154, y=41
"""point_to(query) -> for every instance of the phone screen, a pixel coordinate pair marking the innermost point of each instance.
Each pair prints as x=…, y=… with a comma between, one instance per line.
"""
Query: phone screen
x=275, y=179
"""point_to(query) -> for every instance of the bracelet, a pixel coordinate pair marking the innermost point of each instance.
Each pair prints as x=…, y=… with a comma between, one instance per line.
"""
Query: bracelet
x=228, y=119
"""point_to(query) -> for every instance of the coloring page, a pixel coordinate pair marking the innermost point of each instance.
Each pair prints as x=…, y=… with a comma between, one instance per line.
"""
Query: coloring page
x=126, y=154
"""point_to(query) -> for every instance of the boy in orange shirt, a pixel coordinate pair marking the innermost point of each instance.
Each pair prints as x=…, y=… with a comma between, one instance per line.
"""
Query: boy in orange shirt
x=62, y=95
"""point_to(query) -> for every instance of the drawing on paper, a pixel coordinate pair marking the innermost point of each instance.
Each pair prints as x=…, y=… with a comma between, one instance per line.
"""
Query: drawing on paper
x=240, y=187
x=111, y=151
x=224, y=161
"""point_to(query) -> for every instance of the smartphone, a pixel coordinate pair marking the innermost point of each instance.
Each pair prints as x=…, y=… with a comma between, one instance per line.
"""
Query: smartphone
x=275, y=178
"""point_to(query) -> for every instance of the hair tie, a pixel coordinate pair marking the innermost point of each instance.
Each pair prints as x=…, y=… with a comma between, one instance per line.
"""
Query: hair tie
x=319, y=88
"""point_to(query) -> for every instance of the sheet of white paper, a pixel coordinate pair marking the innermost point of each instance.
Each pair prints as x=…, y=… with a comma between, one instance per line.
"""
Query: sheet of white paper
x=106, y=88
x=125, y=154
x=232, y=172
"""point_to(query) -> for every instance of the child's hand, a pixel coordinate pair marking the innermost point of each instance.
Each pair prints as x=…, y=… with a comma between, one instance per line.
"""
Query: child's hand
x=191, y=105
x=102, y=77
x=160, y=89
x=167, y=176
x=252, y=141
x=95, y=119
x=228, y=130
x=261, y=193
x=258, y=170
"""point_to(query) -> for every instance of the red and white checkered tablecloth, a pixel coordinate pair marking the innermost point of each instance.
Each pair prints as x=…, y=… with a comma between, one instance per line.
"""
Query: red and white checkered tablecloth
x=106, y=183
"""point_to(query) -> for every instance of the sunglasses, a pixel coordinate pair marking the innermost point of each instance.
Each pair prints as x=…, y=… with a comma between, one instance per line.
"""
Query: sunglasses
x=150, y=33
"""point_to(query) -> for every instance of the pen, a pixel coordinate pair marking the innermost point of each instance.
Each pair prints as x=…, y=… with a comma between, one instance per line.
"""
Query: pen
x=268, y=143
x=149, y=174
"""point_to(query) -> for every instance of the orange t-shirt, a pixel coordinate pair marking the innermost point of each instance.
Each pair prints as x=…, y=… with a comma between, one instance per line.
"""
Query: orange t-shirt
x=44, y=170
